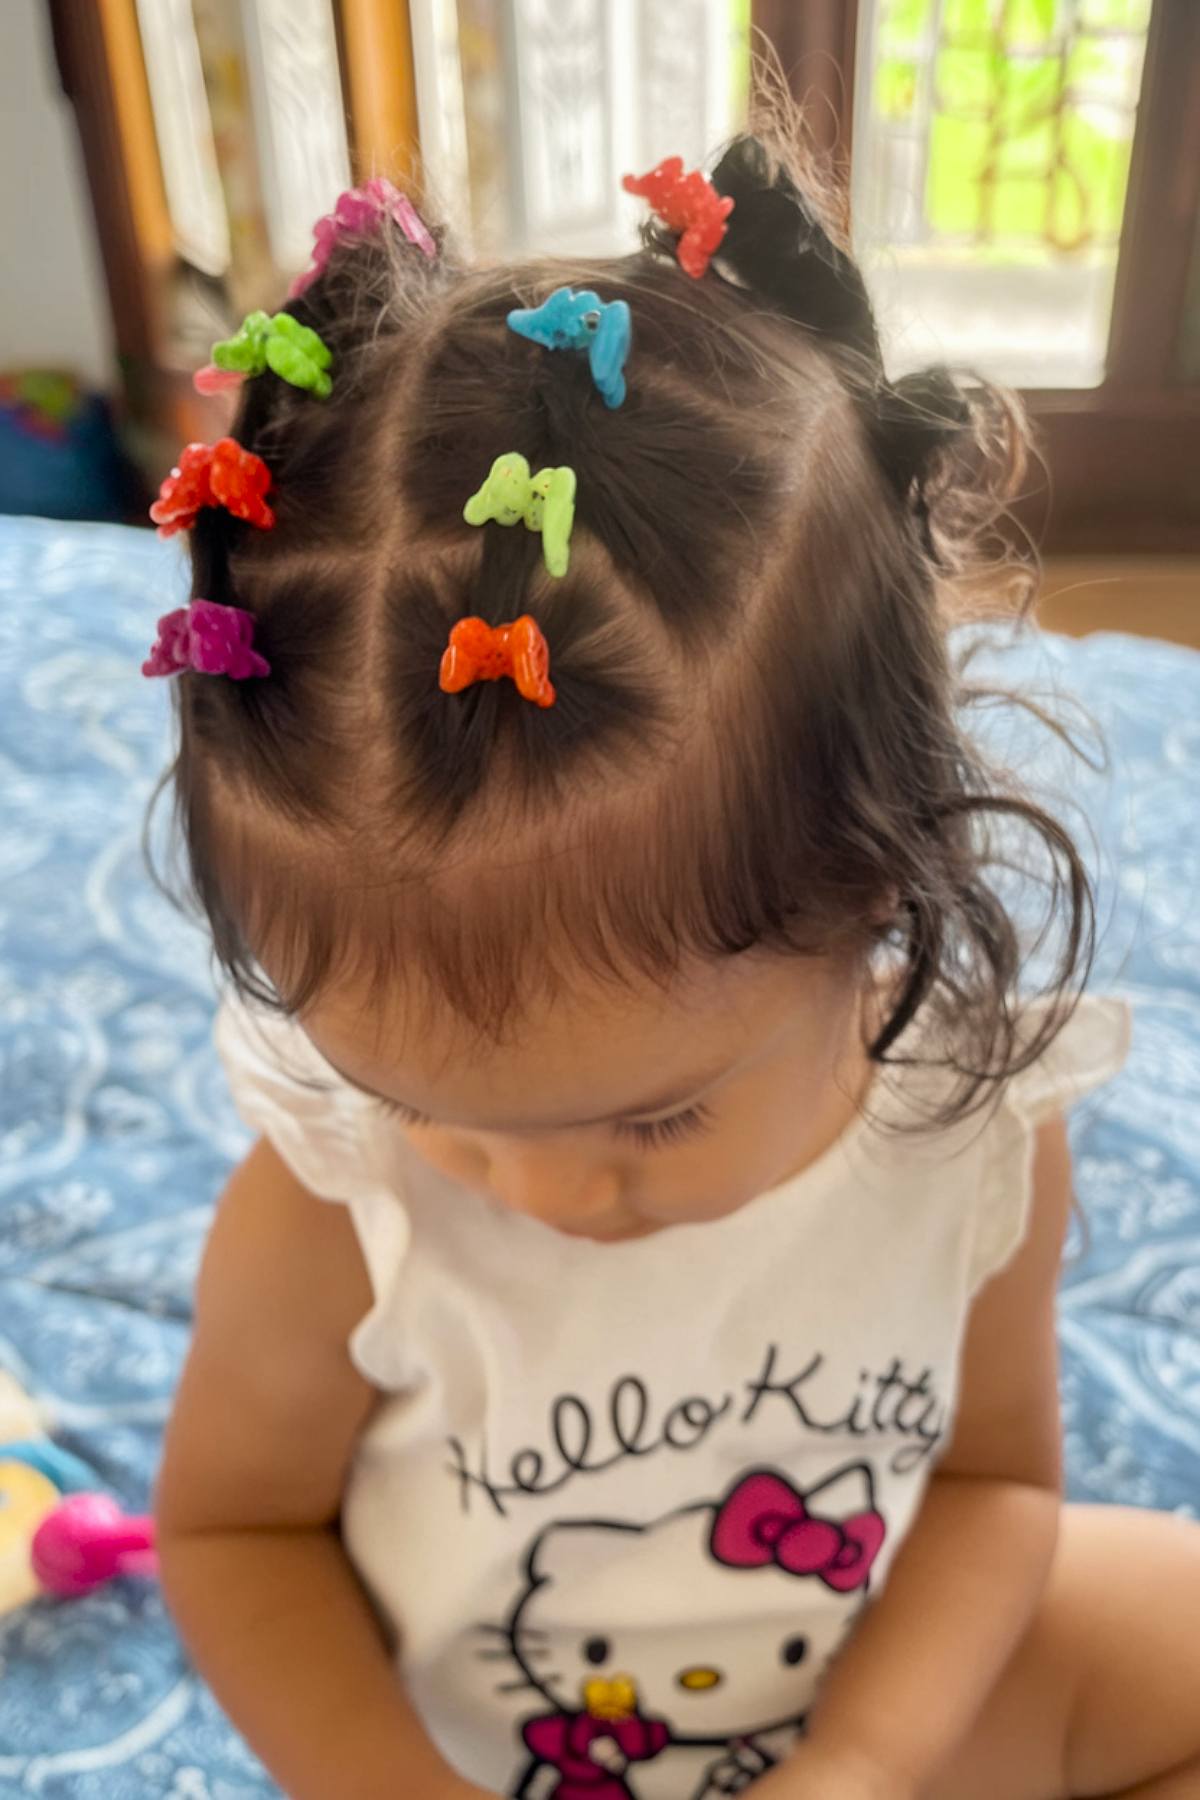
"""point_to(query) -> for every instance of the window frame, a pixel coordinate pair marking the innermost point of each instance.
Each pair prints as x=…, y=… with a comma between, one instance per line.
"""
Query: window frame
x=1122, y=457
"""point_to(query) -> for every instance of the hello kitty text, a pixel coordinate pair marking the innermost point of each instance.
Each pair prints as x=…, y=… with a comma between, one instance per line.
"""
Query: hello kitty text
x=586, y=1439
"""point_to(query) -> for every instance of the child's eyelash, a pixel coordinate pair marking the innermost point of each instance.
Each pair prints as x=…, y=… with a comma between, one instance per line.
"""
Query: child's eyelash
x=396, y=1109
x=655, y=1134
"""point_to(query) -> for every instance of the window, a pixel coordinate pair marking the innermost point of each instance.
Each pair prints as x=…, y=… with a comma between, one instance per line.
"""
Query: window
x=184, y=131
x=992, y=147
x=1025, y=179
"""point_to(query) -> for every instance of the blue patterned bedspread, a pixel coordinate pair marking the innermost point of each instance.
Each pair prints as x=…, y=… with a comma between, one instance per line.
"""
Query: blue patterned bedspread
x=116, y=1132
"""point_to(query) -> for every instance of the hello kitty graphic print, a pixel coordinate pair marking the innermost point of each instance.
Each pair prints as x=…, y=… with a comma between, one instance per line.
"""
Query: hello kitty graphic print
x=775, y=1579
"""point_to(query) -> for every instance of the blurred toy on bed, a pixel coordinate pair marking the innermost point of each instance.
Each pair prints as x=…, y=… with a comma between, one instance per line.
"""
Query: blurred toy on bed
x=57, y=1534
x=59, y=453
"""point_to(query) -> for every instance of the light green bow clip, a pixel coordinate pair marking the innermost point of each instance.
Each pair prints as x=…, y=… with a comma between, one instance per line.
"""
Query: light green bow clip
x=281, y=343
x=546, y=502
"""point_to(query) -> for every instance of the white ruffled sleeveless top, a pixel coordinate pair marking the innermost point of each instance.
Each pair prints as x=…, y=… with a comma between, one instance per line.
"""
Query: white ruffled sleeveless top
x=620, y=1504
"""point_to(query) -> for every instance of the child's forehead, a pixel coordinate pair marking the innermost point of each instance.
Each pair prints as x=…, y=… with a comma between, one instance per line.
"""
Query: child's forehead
x=597, y=1053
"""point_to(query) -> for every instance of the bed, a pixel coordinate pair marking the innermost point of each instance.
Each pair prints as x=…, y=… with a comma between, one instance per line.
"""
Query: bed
x=116, y=1131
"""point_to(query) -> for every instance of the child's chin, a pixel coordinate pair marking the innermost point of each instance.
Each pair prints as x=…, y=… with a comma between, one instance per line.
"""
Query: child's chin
x=614, y=1234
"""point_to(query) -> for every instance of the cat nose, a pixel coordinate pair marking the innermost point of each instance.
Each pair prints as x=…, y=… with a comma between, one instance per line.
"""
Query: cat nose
x=697, y=1680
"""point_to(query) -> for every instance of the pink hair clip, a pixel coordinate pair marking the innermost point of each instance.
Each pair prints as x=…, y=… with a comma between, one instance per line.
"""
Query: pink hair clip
x=211, y=380
x=220, y=474
x=208, y=639
x=689, y=204
x=357, y=213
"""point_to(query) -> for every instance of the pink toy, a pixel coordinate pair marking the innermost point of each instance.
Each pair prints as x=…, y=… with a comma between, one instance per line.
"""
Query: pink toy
x=358, y=213
x=86, y=1541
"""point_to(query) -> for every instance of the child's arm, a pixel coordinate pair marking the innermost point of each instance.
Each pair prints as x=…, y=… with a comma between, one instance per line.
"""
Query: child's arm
x=248, y=1498
x=969, y=1576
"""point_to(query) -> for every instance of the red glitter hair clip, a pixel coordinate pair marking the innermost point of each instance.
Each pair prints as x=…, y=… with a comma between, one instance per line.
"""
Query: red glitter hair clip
x=481, y=652
x=220, y=474
x=689, y=204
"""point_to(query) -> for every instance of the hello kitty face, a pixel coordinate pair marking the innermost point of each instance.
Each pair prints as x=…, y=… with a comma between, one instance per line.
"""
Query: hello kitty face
x=718, y=1619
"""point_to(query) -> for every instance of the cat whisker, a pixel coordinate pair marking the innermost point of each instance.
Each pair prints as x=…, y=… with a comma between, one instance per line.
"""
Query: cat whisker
x=516, y=1636
x=518, y=1687
x=531, y=1651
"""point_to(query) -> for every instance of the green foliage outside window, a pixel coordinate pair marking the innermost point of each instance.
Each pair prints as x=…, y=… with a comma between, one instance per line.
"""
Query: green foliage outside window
x=1029, y=133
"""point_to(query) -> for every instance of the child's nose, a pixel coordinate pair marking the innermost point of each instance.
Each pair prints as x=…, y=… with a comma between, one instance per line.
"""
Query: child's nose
x=551, y=1185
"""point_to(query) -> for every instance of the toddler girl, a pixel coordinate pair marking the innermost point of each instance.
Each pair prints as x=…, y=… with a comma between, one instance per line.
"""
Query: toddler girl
x=625, y=1365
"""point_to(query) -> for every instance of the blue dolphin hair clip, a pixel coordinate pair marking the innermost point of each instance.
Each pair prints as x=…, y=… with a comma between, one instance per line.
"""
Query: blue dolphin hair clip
x=571, y=321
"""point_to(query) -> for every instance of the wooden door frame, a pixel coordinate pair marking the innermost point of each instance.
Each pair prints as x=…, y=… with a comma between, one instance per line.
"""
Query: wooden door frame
x=816, y=42
x=98, y=51
x=1123, y=457
x=379, y=85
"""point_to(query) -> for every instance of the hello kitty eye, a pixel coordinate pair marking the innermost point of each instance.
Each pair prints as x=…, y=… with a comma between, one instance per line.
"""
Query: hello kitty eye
x=597, y=1650
x=794, y=1651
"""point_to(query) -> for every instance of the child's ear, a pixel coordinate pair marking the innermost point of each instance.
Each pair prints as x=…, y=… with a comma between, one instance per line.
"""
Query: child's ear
x=886, y=907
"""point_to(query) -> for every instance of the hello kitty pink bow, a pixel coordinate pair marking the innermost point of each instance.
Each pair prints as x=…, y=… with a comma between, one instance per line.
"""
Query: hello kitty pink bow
x=764, y=1520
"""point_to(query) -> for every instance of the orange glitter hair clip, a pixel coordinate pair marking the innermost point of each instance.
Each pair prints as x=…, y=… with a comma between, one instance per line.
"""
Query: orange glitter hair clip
x=481, y=652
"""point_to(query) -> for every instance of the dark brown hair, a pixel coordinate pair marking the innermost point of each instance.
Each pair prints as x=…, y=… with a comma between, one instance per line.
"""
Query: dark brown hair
x=759, y=735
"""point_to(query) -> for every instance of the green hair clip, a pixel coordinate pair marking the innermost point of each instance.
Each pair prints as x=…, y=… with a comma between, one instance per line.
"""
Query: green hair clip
x=295, y=353
x=545, y=501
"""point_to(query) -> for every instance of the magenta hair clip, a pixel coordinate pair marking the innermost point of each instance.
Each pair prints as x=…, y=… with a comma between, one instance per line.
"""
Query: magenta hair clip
x=359, y=212
x=208, y=639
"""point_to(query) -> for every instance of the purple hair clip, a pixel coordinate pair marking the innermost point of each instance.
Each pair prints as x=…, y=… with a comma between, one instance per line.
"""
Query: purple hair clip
x=357, y=213
x=209, y=639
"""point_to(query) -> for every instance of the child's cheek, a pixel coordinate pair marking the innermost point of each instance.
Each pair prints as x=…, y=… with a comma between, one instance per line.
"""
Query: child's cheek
x=450, y=1153
x=696, y=1182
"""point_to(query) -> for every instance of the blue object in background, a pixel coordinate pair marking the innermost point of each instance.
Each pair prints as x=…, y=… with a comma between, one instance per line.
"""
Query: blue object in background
x=571, y=321
x=59, y=455
x=116, y=1131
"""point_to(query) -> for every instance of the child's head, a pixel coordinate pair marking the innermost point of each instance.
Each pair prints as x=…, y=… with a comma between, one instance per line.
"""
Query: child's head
x=753, y=798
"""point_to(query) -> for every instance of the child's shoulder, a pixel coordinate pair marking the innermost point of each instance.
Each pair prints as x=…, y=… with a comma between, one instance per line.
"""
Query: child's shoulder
x=284, y=1089
x=1088, y=1051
